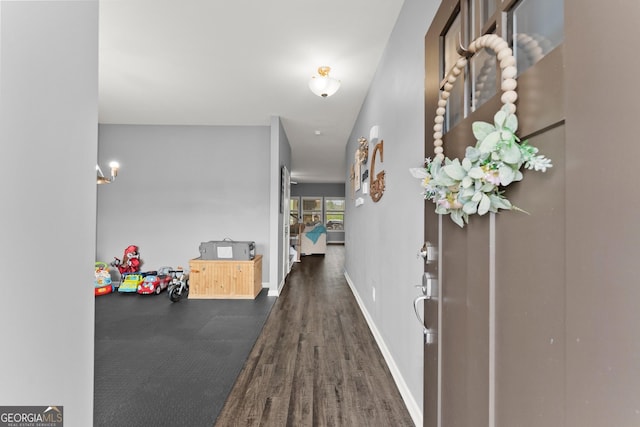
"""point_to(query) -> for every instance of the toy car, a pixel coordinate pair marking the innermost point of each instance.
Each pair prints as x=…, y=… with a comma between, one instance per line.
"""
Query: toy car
x=102, y=282
x=165, y=273
x=130, y=283
x=154, y=284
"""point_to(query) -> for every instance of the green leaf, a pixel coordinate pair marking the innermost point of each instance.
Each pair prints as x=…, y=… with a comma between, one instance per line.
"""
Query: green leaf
x=441, y=210
x=466, y=164
x=511, y=154
x=466, y=182
x=499, y=119
x=456, y=216
x=484, y=205
x=472, y=154
x=470, y=208
x=444, y=180
x=500, y=202
x=489, y=143
x=476, y=173
x=511, y=123
x=467, y=193
x=488, y=187
x=455, y=170
x=507, y=136
x=506, y=174
x=420, y=173
x=481, y=130
x=434, y=169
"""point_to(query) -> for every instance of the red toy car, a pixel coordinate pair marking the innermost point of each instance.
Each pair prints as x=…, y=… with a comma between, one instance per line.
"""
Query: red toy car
x=154, y=284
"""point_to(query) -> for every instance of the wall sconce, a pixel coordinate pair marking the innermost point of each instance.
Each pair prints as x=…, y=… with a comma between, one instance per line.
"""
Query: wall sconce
x=323, y=85
x=101, y=179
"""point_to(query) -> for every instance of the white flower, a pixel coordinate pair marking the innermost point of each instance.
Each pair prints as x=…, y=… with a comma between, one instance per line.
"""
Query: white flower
x=538, y=163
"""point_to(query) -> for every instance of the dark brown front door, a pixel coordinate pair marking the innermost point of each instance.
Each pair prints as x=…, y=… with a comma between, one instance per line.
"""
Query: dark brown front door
x=499, y=320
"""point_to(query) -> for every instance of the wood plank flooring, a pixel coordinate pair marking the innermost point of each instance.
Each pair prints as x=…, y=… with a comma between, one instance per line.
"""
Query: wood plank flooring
x=316, y=362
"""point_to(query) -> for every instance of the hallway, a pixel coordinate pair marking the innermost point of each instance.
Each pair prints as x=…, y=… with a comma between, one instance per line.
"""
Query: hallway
x=316, y=362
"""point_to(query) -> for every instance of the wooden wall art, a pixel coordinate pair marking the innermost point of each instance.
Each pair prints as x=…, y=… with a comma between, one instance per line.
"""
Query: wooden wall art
x=352, y=178
x=356, y=170
x=377, y=184
x=363, y=149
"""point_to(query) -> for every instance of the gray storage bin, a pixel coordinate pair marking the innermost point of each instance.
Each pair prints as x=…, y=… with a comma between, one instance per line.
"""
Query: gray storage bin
x=227, y=249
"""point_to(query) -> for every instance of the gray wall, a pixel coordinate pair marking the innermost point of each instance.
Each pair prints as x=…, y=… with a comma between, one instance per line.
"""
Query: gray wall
x=48, y=140
x=181, y=185
x=324, y=190
x=382, y=239
x=280, y=156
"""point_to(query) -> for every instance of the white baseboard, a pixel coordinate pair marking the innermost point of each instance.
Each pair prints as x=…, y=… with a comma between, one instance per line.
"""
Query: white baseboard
x=412, y=406
x=273, y=293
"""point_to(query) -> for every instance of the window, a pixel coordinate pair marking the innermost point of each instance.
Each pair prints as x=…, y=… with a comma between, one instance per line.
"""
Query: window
x=487, y=9
x=533, y=28
x=484, y=70
x=455, y=108
x=294, y=210
x=334, y=213
x=538, y=27
x=312, y=210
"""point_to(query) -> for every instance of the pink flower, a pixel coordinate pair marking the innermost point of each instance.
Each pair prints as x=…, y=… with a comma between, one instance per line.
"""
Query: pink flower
x=493, y=177
x=450, y=202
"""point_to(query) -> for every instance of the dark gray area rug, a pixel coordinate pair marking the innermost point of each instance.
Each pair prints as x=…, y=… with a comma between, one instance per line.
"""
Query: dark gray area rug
x=159, y=363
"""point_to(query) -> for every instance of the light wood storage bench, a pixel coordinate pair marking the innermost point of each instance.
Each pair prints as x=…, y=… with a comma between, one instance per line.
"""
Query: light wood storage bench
x=225, y=278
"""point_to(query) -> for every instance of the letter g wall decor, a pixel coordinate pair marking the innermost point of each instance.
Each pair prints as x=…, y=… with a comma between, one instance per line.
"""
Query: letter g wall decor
x=377, y=181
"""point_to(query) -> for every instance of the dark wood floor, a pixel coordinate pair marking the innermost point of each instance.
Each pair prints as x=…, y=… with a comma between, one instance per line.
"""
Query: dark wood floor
x=316, y=362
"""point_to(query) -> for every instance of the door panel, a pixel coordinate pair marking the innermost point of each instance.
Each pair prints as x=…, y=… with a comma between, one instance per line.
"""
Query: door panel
x=530, y=296
x=454, y=335
x=465, y=326
x=477, y=308
x=541, y=87
x=465, y=323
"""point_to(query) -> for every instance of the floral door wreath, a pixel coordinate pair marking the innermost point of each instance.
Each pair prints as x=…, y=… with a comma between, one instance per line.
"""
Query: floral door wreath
x=476, y=184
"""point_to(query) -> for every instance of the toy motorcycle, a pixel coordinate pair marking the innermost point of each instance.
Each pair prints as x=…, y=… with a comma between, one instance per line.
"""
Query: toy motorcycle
x=179, y=285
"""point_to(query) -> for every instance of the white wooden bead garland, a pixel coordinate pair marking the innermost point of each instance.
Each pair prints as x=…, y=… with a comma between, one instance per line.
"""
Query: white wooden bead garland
x=508, y=85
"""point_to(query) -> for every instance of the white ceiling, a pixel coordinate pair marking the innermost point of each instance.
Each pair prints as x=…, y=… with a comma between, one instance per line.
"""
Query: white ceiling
x=240, y=62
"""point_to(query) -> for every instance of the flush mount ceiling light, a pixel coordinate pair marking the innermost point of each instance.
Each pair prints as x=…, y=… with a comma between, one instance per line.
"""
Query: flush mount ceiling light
x=323, y=85
x=101, y=179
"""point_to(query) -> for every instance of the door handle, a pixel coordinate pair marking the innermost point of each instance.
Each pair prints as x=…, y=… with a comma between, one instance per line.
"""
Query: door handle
x=429, y=286
x=429, y=335
x=415, y=309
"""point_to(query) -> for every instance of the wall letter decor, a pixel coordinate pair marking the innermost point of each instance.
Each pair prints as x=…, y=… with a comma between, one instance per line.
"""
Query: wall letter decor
x=377, y=184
